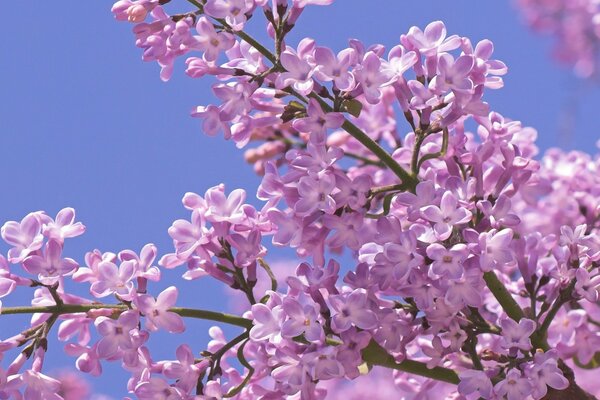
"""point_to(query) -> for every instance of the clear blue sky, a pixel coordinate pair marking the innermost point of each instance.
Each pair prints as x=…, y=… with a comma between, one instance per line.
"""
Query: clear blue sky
x=85, y=123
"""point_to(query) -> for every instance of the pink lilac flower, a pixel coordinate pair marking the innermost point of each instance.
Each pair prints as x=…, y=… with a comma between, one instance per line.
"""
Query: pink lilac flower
x=514, y=386
x=113, y=279
x=299, y=72
x=495, y=248
x=39, y=386
x=586, y=286
x=545, y=373
x=157, y=311
x=351, y=309
x=210, y=41
x=475, y=384
x=157, y=389
x=447, y=261
x=444, y=217
x=116, y=333
x=317, y=122
x=372, y=76
x=267, y=323
x=516, y=335
x=233, y=11
x=335, y=68
x=26, y=236
x=315, y=195
x=302, y=319
x=452, y=74
x=63, y=226
x=432, y=40
x=50, y=265
x=184, y=370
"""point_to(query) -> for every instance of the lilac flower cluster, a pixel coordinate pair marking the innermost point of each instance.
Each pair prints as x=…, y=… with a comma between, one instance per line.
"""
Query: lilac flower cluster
x=474, y=267
x=575, y=26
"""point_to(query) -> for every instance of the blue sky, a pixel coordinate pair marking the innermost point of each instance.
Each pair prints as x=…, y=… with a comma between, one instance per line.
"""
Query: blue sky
x=85, y=123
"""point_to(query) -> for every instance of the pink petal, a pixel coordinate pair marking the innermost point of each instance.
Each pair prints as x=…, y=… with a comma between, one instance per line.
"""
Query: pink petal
x=170, y=322
x=167, y=298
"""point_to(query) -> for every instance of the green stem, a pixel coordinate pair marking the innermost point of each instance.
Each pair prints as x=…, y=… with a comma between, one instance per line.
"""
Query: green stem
x=503, y=296
x=374, y=354
x=539, y=337
x=79, y=308
x=254, y=43
x=414, y=163
x=372, y=145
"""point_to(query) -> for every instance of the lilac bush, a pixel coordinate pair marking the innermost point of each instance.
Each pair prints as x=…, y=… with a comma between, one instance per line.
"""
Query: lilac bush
x=575, y=25
x=474, y=269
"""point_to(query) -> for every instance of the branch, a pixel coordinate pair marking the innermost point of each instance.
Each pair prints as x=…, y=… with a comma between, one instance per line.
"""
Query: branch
x=79, y=308
x=503, y=296
x=374, y=354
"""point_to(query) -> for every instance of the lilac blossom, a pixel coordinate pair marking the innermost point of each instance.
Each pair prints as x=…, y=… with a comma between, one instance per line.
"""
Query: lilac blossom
x=516, y=336
x=157, y=311
x=350, y=310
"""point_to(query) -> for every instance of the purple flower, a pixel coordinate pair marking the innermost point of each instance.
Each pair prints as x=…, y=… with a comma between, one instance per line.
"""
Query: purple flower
x=25, y=236
x=586, y=286
x=233, y=11
x=432, y=40
x=157, y=311
x=267, y=323
x=448, y=214
x=115, y=333
x=473, y=382
x=465, y=290
x=158, y=389
x=514, y=386
x=495, y=249
x=447, y=262
x=144, y=261
x=400, y=60
x=544, y=372
x=452, y=74
x=50, y=265
x=315, y=195
x=184, y=370
x=317, y=122
x=352, y=309
x=210, y=41
x=113, y=279
x=372, y=76
x=298, y=73
x=63, y=226
x=211, y=121
x=516, y=335
x=221, y=208
x=302, y=319
x=332, y=68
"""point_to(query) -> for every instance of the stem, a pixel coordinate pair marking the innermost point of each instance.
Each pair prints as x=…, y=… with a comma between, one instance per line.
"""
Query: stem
x=251, y=41
x=387, y=188
x=503, y=296
x=372, y=145
x=376, y=355
x=365, y=160
x=414, y=164
x=471, y=347
x=539, y=338
x=79, y=308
